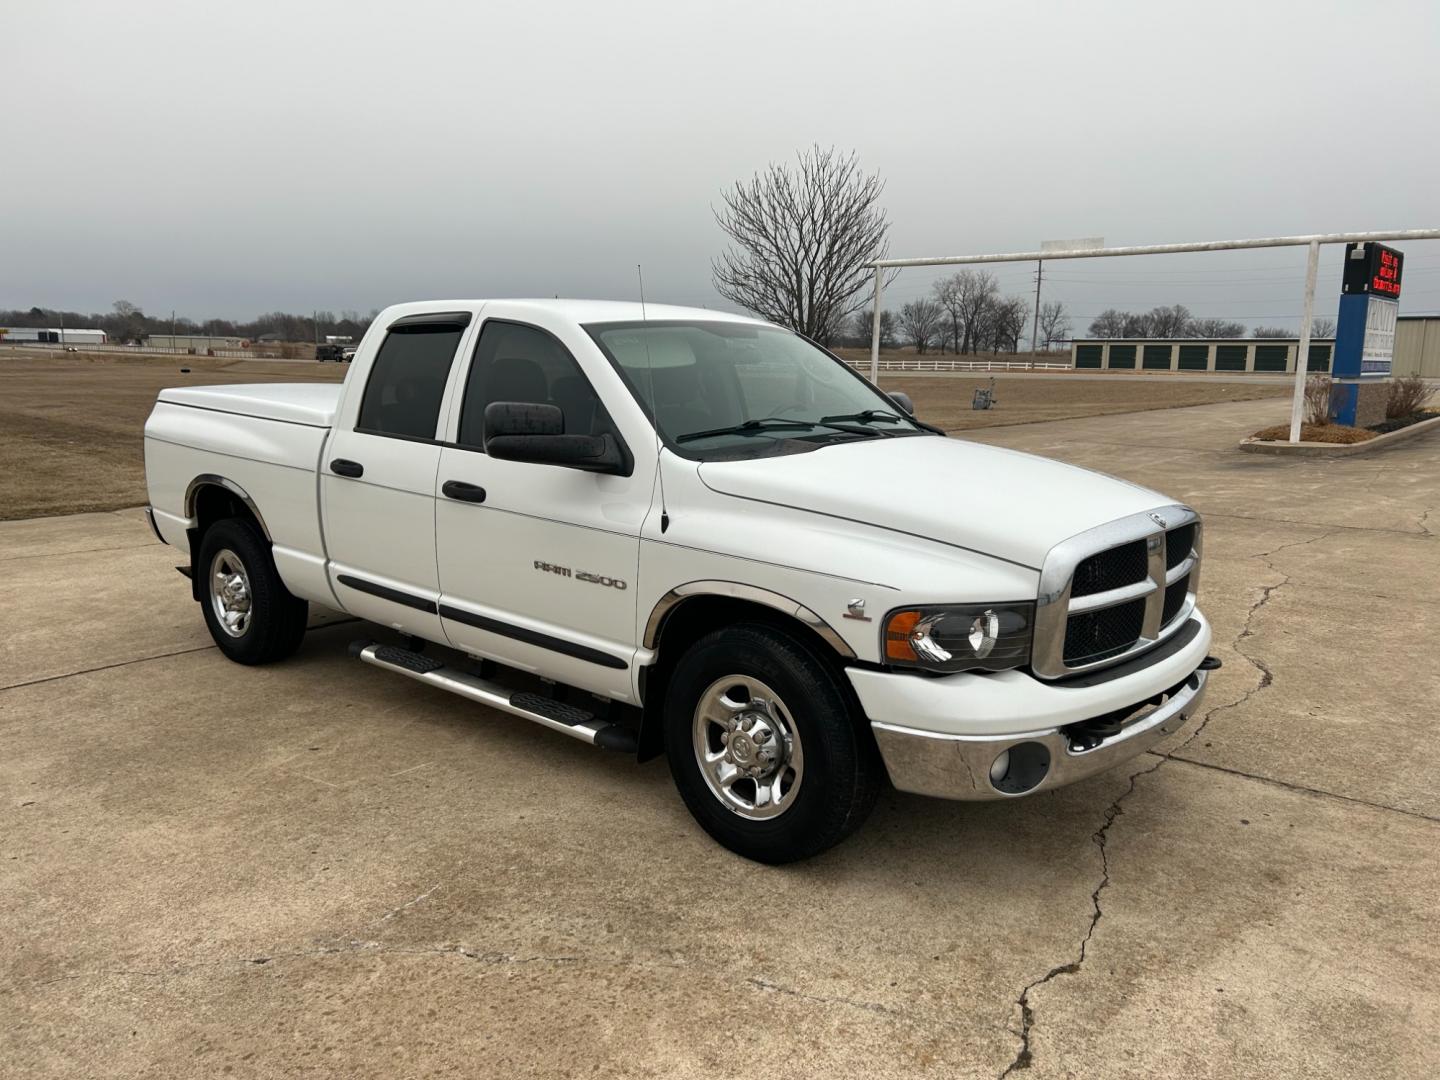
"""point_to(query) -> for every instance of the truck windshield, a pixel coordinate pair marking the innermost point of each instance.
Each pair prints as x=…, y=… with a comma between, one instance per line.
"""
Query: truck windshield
x=727, y=389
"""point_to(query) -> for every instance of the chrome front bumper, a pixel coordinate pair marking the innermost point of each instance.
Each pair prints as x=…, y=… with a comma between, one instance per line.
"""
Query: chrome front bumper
x=959, y=766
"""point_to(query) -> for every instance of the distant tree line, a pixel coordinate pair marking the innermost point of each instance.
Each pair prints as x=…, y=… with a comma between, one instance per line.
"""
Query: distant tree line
x=127, y=324
x=966, y=313
x=1177, y=322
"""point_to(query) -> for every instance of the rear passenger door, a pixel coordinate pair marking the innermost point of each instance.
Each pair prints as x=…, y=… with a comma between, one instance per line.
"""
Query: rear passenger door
x=377, y=477
x=539, y=571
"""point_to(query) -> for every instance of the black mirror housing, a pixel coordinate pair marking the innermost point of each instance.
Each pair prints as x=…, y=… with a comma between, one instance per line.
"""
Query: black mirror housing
x=899, y=397
x=522, y=418
x=522, y=431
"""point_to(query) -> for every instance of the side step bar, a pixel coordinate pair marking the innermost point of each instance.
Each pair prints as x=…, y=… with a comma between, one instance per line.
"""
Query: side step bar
x=566, y=719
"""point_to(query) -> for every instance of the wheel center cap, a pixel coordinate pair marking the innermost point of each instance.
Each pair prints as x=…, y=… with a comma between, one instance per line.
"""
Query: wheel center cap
x=752, y=745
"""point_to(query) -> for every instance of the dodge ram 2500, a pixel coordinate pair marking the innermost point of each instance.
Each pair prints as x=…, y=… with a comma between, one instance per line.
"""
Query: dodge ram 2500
x=683, y=532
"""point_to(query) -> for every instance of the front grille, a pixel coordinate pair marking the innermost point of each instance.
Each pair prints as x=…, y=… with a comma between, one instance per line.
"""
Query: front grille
x=1098, y=635
x=1174, y=599
x=1113, y=569
x=1178, y=543
x=1103, y=594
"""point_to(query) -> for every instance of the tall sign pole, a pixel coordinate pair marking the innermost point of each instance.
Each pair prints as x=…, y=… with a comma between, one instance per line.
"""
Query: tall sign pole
x=1302, y=353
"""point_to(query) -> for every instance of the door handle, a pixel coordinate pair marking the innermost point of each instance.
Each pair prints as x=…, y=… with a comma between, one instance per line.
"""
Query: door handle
x=344, y=467
x=458, y=489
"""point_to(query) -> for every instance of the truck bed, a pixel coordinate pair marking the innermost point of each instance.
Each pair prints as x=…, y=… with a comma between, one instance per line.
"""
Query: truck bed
x=311, y=404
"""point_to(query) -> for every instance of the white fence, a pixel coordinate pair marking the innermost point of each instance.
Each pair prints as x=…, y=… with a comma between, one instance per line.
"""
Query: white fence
x=140, y=350
x=945, y=363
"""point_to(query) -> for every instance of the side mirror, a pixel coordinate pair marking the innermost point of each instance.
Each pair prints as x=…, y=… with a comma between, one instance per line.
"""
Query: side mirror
x=522, y=431
x=902, y=399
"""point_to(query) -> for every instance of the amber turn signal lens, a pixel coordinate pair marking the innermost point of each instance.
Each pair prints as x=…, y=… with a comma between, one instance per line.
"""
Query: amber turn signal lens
x=897, y=635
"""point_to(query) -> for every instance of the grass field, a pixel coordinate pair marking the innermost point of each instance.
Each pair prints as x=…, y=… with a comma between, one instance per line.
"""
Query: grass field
x=70, y=425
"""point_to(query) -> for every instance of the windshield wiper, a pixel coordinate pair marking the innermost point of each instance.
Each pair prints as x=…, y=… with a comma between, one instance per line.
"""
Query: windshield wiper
x=869, y=416
x=749, y=427
x=866, y=416
x=778, y=423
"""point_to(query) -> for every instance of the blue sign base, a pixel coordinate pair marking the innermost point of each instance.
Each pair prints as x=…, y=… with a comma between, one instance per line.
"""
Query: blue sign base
x=1344, y=402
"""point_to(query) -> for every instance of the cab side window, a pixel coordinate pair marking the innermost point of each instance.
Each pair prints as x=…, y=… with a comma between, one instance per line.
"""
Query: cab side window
x=407, y=380
x=514, y=362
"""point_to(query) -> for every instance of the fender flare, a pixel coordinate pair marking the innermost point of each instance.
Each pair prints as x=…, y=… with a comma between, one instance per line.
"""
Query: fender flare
x=740, y=591
x=205, y=480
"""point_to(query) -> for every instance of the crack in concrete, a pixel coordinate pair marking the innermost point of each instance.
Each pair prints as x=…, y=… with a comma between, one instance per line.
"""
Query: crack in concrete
x=1024, y=1056
x=404, y=907
x=108, y=667
x=769, y=987
x=1300, y=788
x=489, y=957
x=1266, y=675
x=82, y=551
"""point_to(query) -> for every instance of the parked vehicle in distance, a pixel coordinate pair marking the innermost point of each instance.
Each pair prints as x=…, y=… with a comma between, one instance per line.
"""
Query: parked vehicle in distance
x=684, y=532
x=328, y=352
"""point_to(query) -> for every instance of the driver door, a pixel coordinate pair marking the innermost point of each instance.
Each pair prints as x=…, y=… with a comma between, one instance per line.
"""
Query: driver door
x=538, y=562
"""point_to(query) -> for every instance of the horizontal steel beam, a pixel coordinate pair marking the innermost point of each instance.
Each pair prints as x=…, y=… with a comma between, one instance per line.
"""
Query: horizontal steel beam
x=1169, y=249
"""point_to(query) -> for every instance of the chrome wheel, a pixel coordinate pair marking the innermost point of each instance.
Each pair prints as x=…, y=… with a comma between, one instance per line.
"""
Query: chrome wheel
x=230, y=593
x=747, y=747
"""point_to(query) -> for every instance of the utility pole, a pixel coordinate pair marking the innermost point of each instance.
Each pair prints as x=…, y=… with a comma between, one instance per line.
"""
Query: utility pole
x=1035, y=319
x=174, y=339
x=62, y=330
x=315, y=322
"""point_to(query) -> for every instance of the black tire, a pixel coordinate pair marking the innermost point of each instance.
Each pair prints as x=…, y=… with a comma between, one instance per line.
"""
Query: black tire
x=841, y=769
x=276, y=623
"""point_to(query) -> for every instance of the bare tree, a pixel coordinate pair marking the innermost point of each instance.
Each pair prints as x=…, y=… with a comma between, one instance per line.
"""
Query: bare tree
x=802, y=241
x=965, y=297
x=130, y=322
x=1169, y=322
x=921, y=322
x=1322, y=327
x=948, y=294
x=1110, y=323
x=1216, y=328
x=1138, y=325
x=1054, y=322
x=1001, y=323
x=1270, y=332
x=864, y=328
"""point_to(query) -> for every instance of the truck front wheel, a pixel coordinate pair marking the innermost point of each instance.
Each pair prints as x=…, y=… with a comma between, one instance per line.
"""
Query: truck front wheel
x=765, y=745
x=253, y=618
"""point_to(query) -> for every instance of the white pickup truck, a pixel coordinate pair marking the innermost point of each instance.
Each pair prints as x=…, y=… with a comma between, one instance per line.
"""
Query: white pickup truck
x=674, y=530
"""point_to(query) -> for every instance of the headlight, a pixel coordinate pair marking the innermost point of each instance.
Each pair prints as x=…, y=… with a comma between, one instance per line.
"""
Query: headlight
x=959, y=637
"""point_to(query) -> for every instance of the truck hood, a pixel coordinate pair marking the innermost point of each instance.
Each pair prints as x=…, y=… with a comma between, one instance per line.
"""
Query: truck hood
x=312, y=404
x=983, y=498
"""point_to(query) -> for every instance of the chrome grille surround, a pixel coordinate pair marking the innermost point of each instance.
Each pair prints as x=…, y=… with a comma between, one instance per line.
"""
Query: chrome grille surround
x=1054, y=605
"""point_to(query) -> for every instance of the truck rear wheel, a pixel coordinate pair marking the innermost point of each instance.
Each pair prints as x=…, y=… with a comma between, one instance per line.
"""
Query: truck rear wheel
x=765, y=745
x=253, y=618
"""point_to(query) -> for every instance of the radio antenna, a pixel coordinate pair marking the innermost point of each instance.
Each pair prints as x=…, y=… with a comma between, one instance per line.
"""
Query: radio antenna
x=654, y=405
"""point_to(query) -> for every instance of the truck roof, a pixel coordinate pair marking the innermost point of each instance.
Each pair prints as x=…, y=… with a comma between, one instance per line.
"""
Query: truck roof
x=580, y=311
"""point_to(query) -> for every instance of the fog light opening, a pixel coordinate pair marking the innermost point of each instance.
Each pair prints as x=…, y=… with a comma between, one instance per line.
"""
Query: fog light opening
x=1020, y=768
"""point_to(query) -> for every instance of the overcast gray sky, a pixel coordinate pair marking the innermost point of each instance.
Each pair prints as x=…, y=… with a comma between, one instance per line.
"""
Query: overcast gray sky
x=228, y=159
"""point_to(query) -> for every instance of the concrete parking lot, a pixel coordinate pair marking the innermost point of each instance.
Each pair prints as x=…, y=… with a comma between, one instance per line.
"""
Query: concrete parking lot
x=318, y=867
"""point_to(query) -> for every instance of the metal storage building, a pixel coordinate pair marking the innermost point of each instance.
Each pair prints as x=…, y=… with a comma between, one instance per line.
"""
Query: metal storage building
x=1417, y=352
x=51, y=335
x=1273, y=356
x=1417, y=346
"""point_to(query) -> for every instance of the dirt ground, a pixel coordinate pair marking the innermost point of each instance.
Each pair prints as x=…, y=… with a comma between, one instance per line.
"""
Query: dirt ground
x=945, y=400
x=70, y=425
x=317, y=868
